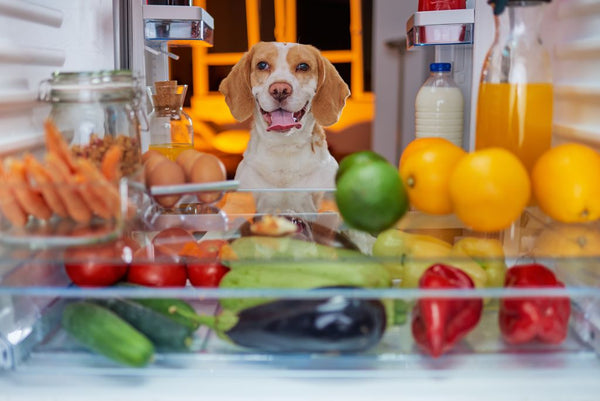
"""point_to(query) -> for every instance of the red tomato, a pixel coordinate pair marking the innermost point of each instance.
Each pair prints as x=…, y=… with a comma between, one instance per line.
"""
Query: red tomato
x=95, y=266
x=171, y=240
x=153, y=268
x=205, y=274
x=204, y=268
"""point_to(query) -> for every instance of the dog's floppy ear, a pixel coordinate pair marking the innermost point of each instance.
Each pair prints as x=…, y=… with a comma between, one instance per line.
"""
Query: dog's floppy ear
x=236, y=88
x=331, y=94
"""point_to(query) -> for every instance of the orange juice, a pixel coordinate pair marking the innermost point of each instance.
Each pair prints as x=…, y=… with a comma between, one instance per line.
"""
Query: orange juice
x=171, y=150
x=517, y=117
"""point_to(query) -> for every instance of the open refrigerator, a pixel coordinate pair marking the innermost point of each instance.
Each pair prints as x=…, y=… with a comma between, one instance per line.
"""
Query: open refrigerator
x=40, y=360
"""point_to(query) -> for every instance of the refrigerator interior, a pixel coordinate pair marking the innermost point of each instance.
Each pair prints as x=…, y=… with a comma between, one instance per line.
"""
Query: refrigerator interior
x=34, y=287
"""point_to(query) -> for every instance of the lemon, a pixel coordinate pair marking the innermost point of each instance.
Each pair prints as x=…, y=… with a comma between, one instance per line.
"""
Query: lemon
x=370, y=195
x=489, y=189
x=566, y=183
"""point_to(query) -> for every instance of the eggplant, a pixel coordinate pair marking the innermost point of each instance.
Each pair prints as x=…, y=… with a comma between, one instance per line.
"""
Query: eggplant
x=336, y=324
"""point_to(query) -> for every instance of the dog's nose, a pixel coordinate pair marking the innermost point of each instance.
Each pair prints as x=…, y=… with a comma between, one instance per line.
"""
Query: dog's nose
x=280, y=90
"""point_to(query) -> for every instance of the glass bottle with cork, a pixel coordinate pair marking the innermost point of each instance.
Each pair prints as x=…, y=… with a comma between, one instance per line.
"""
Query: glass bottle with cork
x=514, y=109
x=170, y=127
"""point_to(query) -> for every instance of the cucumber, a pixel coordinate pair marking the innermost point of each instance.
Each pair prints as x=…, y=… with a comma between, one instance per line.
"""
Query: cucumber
x=104, y=332
x=151, y=318
x=168, y=307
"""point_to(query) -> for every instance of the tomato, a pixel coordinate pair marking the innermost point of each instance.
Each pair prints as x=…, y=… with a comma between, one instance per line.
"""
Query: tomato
x=171, y=240
x=203, y=266
x=95, y=266
x=205, y=274
x=153, y=268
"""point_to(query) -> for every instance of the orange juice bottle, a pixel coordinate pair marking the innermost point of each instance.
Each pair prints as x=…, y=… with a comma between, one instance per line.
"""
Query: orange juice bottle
x=514, y=109
x=517, y=117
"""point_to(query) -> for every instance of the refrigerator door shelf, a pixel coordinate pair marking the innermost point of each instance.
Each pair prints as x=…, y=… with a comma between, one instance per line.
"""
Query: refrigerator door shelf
x=177, y=23
x=449, y=27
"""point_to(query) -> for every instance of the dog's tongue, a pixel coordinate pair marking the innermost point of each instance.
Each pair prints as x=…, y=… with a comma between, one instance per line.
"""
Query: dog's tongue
x=282, y=120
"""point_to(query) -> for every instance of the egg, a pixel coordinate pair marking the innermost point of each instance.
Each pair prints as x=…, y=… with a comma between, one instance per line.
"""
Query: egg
x=186, y=160
x=150, y=153
x=151, y=162
x=207, y=168
x=166, y=172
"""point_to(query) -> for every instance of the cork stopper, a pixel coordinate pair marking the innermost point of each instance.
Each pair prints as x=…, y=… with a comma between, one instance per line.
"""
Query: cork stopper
x=169, y=94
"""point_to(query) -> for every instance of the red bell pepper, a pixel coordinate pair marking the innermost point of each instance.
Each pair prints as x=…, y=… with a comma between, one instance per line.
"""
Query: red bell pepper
x=439, y=323
x=525, y=319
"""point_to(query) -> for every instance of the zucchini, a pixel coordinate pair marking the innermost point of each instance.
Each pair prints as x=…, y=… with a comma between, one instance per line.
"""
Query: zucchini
x=152, y=318
x=104, y=332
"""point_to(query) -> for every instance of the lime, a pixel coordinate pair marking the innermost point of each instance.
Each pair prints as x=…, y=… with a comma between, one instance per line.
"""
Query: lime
x=371, y=196
x=357, y=158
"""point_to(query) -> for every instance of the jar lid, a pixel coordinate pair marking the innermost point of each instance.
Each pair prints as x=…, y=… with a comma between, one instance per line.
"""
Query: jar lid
x=440, y=67
x=89, y=85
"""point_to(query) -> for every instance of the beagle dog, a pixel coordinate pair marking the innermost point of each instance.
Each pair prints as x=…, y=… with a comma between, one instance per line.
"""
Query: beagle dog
x=291, y=91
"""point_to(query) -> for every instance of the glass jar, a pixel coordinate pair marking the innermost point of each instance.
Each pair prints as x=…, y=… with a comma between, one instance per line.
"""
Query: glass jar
x=514, y=109
x=170, y=127
x=94, y=110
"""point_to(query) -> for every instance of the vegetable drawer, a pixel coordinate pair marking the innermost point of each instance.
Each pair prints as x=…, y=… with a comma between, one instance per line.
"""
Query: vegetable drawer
x=299, y=294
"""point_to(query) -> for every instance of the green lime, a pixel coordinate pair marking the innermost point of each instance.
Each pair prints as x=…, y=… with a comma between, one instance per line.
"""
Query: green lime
x=371, y=197
x=357, y=158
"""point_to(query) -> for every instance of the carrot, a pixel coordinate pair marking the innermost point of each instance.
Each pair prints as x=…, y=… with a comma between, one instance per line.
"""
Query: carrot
x=31, y=201
x=59, y=173
x=9, y=205
x=56, y=144
x=95, y=203
x=102, y=188
x=111, y=163
x=36, y=172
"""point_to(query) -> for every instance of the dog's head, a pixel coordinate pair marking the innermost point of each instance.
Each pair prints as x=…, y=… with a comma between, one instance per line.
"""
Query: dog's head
x=287, y=84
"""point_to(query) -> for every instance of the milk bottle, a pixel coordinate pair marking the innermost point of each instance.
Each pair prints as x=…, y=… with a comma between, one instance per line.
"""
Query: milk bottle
x=439, y=106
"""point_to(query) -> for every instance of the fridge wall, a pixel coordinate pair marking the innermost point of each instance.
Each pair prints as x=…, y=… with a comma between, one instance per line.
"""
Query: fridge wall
x=39, y=37
x=575, y=42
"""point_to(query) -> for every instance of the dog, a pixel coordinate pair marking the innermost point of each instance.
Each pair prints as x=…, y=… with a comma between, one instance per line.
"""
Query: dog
x=292, y=92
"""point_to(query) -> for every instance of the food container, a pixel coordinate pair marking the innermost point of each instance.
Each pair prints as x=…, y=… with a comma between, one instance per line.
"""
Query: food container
x=80, y=188
x=170, y=127
x=94, y=110
x=35, y=291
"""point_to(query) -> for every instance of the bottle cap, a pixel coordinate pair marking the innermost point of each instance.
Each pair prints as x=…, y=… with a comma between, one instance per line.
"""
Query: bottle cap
x=440, y=67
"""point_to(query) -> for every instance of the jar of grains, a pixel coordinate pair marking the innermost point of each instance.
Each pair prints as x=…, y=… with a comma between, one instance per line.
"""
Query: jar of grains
x=95, y=110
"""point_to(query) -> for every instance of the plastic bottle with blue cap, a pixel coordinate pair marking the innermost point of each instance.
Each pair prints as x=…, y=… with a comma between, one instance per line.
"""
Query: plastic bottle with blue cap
x=439, y=106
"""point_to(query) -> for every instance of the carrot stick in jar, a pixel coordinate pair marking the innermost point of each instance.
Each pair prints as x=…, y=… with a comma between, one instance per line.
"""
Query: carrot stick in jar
x=37, y=173
x=111, y=163
x=77, y=208
x=57, y=145
x=9, y=205
x=102, y=188
x=31, y=201
x=95, y=203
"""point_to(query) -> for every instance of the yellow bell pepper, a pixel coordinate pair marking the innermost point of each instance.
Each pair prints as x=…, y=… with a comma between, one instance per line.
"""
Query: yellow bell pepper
x=398, y=248
x=489, y=254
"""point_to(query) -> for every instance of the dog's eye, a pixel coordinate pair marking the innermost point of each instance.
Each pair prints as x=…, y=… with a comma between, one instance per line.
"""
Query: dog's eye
x=262, y=65
x=302, y=67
